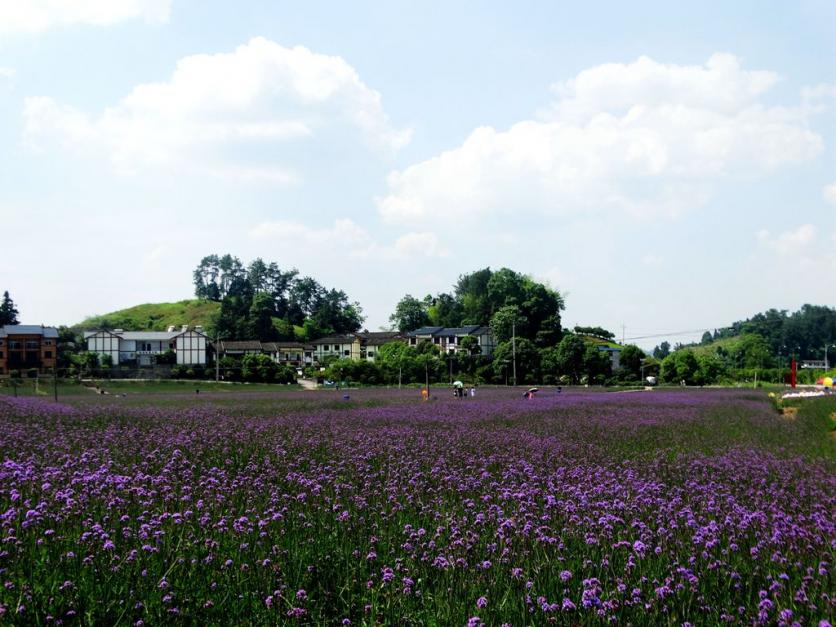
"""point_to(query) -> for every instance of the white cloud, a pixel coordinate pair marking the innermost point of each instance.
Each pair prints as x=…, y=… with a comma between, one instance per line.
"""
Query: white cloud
x=293, y=234
x=646, y=138
x=36, y=16
x=829, y=193
x=242, y=114
x=794, y=241
x=6, y=72
x=408, y=246
x=349, y=237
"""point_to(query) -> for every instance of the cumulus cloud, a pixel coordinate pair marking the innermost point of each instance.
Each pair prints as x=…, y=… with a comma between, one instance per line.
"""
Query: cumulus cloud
x=829, y=193
x=349, y=237
x=408, y=246
x=792, y=241
x=645, y=138
x=242, y=114
x=36, y=16
x=292, y=233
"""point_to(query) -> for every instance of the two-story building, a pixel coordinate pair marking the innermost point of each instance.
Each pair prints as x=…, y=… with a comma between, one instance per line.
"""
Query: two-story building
x=296, y=354
x=26, y=347
x=140, y=348
x=344, y=346
x=355, y=346
x=449, y=339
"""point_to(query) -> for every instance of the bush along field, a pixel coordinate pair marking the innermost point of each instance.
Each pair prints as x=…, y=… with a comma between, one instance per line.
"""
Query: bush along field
x=669, y=508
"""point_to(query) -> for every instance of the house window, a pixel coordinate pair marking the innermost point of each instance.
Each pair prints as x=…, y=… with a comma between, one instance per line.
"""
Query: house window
x=370, y=354
x=413, y=341
x=336, y=347
x=47, y=342
x=31, y=344
x=14, y=344
x=47, y=354
x=171, y=344
x=327, y=347
x=346, y=353
x=1, y=354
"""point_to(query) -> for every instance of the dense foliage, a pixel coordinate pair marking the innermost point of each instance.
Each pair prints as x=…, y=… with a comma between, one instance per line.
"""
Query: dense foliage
x=264, y=302
x=502, y=299
x=580, y=508
x=803, y=333
x=8, y=310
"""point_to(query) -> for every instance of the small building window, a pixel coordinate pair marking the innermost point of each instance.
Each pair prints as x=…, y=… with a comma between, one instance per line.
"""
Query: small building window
x=336, y=347
x=1, y=354
x=346, y=353
x=47, y=354
x=31, y=344
x=47, y=342
x=413, y=341
x=370, y=353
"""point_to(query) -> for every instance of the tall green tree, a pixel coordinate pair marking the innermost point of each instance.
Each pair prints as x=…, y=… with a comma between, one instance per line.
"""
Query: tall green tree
x=630, y=360
x=8, y=310
x=570, y=356
x=507, y=321
x=662, y=351
x=410, y=314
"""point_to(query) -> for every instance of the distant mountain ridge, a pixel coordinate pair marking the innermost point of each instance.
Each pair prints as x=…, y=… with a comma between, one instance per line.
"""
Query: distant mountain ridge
x=155, y=316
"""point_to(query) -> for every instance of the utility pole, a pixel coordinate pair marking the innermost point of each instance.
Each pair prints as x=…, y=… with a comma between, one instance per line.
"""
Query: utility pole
x=623, y=333
x=217, y=357
x=514, y=348
x=427, y=374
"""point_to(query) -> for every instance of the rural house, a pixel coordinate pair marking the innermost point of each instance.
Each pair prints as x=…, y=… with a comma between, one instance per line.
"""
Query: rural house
x=140, y=348
x=27, y=347
x=449, y=339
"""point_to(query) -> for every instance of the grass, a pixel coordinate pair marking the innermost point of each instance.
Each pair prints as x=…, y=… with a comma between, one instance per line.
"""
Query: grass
x=155, y=316
x=141, y=387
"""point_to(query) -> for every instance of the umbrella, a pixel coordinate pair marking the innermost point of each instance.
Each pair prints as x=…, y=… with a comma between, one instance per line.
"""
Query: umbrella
x=533, y=389
x=458, y=384
x=828, y=382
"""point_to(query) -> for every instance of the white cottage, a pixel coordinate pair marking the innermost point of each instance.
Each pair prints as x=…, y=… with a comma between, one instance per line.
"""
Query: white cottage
x=141, y=347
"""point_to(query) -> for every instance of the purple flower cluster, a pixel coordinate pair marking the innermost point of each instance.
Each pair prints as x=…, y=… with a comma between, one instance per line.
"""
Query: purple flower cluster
x=666, y=507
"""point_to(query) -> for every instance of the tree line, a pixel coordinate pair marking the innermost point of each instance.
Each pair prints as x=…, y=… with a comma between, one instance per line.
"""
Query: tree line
x=802, y=334
x=265, y=302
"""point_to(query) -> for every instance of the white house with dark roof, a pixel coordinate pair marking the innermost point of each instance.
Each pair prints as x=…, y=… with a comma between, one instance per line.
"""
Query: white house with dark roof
x=449, y=339
x=141, y=347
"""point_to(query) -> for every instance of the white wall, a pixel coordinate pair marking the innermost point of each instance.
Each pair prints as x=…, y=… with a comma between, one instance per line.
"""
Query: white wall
x=191, y=349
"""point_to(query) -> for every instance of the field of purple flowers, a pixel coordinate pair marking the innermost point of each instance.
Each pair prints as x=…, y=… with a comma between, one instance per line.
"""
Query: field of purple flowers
x=677, y=507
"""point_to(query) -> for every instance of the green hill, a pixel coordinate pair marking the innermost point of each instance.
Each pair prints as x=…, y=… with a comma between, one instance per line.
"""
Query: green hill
x=155, y=316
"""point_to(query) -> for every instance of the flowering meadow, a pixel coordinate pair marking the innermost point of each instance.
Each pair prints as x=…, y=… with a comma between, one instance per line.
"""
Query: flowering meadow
x=662, y=507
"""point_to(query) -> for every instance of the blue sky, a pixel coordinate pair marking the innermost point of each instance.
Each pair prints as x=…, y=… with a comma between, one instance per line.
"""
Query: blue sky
x=667, y=168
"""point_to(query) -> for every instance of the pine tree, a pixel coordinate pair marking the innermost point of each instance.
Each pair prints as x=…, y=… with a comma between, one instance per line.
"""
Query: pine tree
x=8, y=311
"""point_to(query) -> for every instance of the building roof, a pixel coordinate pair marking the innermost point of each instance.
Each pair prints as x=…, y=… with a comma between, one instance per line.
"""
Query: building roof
x=150, y=336
x=346, y=338
x=28, y=329
x=425, y=331
x=378, y=338
x=470, y=329
x=240, y=345
x=279, y=346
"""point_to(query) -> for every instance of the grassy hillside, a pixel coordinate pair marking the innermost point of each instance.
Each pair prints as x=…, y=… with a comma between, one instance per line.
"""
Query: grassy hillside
x=155, y=316
x=600, y=342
